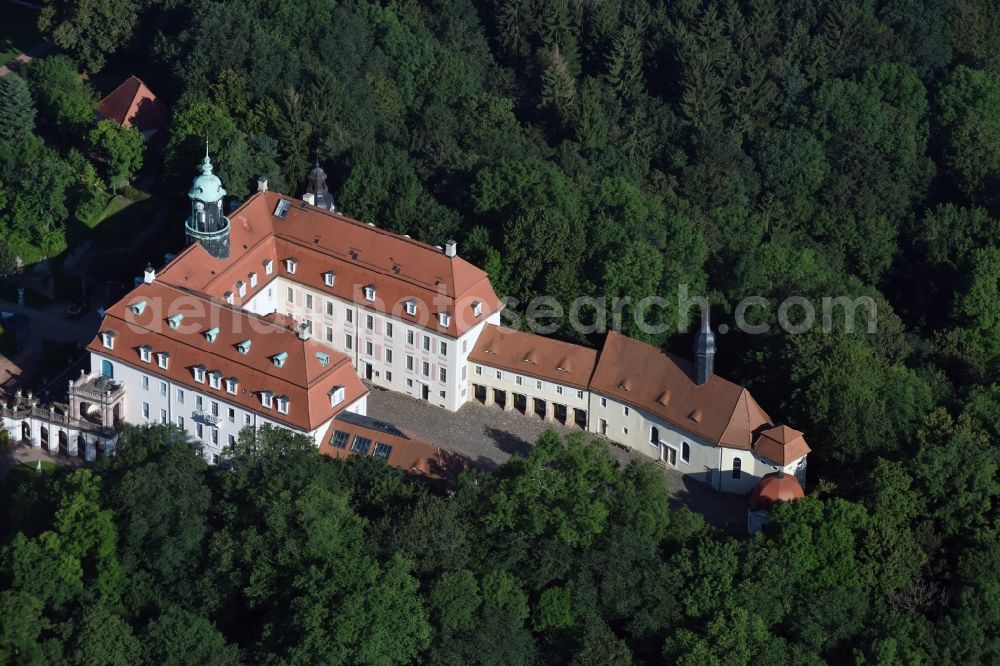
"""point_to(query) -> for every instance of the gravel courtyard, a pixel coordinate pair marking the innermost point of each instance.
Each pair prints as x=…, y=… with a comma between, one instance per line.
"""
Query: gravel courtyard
x=488, y=436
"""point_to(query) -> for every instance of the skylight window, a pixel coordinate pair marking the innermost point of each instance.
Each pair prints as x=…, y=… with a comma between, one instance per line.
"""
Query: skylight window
x=281, y=210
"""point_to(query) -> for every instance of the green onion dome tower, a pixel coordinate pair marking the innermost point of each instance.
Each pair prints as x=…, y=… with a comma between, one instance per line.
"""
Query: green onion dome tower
x=207, y=224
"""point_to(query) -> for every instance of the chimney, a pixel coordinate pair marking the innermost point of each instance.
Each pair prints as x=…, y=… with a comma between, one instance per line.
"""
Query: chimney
x=262, y=184
x=450, y=248
x=149, y=274
x=704, y=352
x=309, y=198
x=303, y=331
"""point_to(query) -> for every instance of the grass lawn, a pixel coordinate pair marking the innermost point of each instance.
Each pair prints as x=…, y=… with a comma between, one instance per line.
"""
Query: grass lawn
x=119, y=203
x=17, y=31
x=28, y=470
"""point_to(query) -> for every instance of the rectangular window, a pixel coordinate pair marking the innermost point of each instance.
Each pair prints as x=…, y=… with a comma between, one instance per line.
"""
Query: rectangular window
x=444, y=348
x=265, y=399
x=231, y=385
x=411, y=308
x=737, y=468
x=268, y=267
x=163, y=416
x=215, y=438
x=427, y=369
x=145, y=410
x=369, y=293
x=479, y=370
x=199, y=403
x=388, y=329
x=328, y=279
x=370, y=322
x=409, y=337
x=231, y=439
x=291, y=295
x=382, y=450
x=309, y=302
x=538, y=384
x=559, y=390
x=246, y=419
x=146, y=354
x=465, y=372
x=339, y=439
x=350, y=316
x=388, y=376
x=215, y=408
x=361, y=445
x=499, y=374
x=409, y=383
x=253, y=280
x=349, y=341
x=579, y=395
x=215, y=379
x=625, y=410
x=200, y=430
x=517, y=379
x=180, y=422
x=180, y=396
x=442, y=394
x=329, y=333
x=443, y=374
x=388, y=355
x=163, y=388
x=465, y=346
x=215, y=458
x=199, y=374
x=604, y=402
x=161, y=359
x=329, y=308
x=369, y=348
x=427, y=343
x=685, y=452
x=409, y=362
x=232, y=415
x=145, y=383
x=283, y=405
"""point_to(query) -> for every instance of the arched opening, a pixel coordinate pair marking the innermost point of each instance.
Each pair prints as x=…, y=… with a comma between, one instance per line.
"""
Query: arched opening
x=737, y=468
x=81, y=444
x=654, y=436
x=685, y=452
x=116, y=414
x=25, y=431
x=107, y=369
x=44, y=436
x=63, y=443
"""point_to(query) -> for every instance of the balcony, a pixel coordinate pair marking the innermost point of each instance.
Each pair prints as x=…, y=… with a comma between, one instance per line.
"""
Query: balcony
x=206, y=417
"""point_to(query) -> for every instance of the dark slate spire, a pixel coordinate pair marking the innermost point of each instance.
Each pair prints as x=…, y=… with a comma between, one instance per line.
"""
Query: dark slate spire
x=704, y=352
x=321, y=196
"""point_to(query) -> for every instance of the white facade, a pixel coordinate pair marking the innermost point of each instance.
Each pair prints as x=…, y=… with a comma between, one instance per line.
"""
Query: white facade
x=388, y=351
x=209, y=418
x=552, y=401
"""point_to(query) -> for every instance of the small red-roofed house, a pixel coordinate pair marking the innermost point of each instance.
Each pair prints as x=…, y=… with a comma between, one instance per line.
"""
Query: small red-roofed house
x=133, y=104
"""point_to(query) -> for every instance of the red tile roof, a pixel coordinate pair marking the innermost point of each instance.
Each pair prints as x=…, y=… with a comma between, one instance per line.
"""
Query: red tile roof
x=650, y=379
x=535, y=355
x=409, y=452
x=781, y=445
x=773, y=488
x=360, y=255
x=133, y=104
x=303, y=376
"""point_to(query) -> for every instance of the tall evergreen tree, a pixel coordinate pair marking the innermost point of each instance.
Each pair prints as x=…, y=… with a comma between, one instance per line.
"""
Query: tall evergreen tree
x=17, y=110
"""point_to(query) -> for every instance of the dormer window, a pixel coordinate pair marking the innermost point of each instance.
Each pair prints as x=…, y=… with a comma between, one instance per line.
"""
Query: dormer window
x=231, y=384
x=477, y=308
x=253, y=280
x=241, y=288
x=211, y=334
x=268, y=267
x=444, y=319
x=336, y=396
x=138, y=307
x=108, y=339
x=162, y=359
x=244, y=347
x=175, y=320
x=199, y=373
x=146, y=353
x=229, y=297
x=215, y=379
x=279, y=359
x=323, y=358
x=290, y=265
x=265, y=398
x=328, y=278
x=370, y=293
x=411, y=307
x=283, y=403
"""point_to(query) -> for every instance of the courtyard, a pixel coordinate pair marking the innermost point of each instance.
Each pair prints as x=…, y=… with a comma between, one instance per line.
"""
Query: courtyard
x=487, y=436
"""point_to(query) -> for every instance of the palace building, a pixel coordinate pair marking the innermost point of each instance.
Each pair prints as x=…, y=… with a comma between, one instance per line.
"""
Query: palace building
x=284, y=311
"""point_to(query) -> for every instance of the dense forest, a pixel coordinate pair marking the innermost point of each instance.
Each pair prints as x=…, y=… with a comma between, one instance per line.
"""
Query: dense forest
x=818, y=148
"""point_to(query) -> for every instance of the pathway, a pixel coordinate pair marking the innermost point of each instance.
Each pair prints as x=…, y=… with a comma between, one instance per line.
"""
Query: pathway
x=25, y=58
x=17, y=454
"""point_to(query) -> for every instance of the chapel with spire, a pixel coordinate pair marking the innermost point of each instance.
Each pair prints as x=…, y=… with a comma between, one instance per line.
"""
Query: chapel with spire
x=207, y=223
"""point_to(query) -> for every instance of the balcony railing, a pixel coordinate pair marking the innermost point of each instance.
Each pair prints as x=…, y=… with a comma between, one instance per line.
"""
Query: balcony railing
x=207, y=417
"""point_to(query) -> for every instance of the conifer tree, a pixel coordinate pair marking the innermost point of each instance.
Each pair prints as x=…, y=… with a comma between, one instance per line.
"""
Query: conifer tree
x=17, y=110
